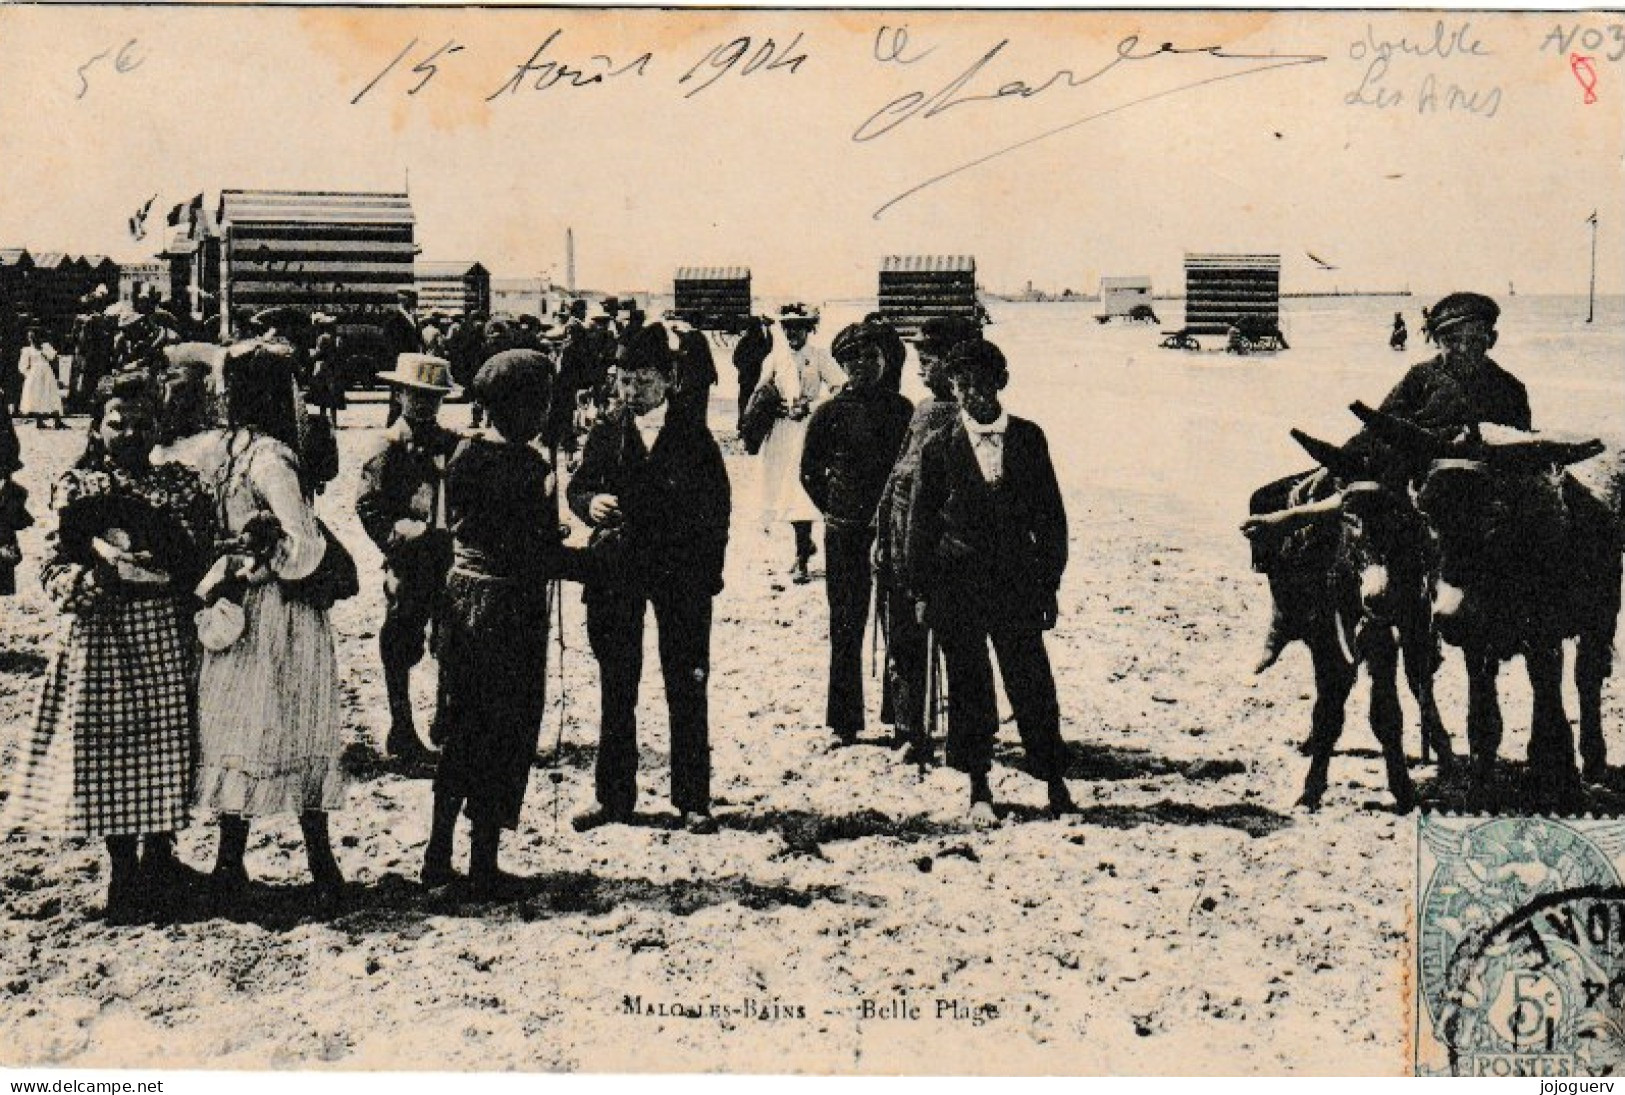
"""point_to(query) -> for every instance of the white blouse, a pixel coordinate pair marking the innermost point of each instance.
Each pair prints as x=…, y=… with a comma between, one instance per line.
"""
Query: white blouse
x=809, y=372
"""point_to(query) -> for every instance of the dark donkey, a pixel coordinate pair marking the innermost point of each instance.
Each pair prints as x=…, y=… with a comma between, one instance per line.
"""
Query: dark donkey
x=1360, y=595
x=1528, y=557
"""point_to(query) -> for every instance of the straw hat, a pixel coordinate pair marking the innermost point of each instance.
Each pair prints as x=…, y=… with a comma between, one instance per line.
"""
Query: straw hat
x=422, y=371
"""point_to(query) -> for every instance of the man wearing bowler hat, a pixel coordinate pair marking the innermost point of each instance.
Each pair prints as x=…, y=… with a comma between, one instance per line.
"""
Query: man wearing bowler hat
x=402, y=506
x=654, y=490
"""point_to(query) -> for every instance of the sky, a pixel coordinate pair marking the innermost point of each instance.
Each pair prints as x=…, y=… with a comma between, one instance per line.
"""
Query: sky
x=1430, y=151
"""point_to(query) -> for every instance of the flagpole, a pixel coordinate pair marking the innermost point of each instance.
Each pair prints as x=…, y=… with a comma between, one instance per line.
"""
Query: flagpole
x=1591, y=302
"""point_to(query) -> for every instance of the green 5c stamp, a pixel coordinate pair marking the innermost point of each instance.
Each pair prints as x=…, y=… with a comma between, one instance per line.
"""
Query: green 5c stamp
x=1520, y=960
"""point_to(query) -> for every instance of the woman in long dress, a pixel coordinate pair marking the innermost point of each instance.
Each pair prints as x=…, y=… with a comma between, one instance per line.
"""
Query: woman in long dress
x=804, y=376
x=41, y=396
x=113, y=745
x=268, y=702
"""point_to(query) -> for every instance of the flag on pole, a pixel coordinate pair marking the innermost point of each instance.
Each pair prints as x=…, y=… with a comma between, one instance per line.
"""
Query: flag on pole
x=1592, y=220
x=186, y=212
x=138, y=223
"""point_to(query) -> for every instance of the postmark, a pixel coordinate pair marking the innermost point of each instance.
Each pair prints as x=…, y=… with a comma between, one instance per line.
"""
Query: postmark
x=1520, y=938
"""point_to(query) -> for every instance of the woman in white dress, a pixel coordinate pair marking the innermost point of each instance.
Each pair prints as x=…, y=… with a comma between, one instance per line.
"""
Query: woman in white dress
x=268, y=702
x=41, y=396
x=805, y=376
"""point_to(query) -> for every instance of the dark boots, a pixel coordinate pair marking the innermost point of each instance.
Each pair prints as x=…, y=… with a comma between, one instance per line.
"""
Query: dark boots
x=485, y=878
x=124, y=904
x=229, y=879
x=805, y=549
x=437, y=868
x=324, y=867
x=403, y=742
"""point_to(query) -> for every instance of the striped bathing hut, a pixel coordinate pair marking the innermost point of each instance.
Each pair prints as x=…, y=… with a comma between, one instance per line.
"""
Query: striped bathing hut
x=915, y=288
x=453, y=288
x=1225, y=290
x=713, y=298
x=328, y=250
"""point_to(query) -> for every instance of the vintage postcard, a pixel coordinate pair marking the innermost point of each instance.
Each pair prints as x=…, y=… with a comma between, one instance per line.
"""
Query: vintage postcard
x=836, y=541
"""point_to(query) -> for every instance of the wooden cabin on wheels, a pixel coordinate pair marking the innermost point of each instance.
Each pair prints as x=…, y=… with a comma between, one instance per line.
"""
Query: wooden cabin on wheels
x=713, y=299
x=915, y=288
x=1235, y=297
x=1127, y=299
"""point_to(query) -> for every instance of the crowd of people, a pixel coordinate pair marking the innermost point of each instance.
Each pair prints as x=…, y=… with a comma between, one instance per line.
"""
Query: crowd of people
x=197, y=673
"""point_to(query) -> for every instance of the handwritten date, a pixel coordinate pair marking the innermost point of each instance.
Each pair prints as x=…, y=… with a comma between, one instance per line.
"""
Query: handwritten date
x=745, y=55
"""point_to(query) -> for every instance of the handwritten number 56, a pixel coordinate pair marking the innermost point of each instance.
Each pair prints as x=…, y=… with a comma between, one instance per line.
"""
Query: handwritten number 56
x=126, y=61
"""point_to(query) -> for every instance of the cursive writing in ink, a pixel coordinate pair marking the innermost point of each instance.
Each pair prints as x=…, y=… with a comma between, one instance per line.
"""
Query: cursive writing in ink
x=767, y=56
x=891, y=45
x=425, y=68
x=550, y=74
x=959, y=91
x=955, y=94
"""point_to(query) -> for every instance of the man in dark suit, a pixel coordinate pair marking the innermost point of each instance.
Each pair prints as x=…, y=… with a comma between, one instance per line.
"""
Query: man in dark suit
x=986, y=549
x=402, y=335
x=653, y=488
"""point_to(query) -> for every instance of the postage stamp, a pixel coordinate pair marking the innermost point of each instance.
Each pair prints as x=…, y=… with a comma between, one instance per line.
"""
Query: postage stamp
x=1520, y=958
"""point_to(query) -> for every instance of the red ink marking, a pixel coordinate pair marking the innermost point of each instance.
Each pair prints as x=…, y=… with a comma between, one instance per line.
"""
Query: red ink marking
x=1586, y=73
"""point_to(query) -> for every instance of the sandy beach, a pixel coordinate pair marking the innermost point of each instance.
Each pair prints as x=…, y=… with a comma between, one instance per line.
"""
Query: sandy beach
x=846, y=919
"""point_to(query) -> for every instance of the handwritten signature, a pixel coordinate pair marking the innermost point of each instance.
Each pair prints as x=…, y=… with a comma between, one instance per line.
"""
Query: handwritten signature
x=964, y=90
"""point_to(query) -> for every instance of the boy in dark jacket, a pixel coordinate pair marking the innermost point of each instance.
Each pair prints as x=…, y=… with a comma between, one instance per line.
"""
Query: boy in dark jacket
x=852, y=443
x=906, y=653
x=653, y=488
x=986, y=549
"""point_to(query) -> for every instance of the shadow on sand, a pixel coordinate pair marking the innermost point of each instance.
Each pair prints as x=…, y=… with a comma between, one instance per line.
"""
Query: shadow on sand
x=1253, y=820
x=1512, y=791
x=363, y=762
x=1091, y=761
x=396, y=904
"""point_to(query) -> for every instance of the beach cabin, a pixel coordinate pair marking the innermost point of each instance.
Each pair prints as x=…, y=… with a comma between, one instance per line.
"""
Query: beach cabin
x=140, y=279
x=105, y=273
x=1231, y=292
x=333, y=251
x=16, y=277
x=915, y=288
x=55, y=288
x=1126, y=298
x=713, y=298
x=453, y=288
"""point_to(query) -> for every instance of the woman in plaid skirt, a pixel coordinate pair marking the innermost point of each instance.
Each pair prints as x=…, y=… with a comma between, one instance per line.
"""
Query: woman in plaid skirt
x=112, y=750
x=268, y=700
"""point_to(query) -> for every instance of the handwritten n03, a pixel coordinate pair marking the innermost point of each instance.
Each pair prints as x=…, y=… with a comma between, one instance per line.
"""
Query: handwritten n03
x=546, y=67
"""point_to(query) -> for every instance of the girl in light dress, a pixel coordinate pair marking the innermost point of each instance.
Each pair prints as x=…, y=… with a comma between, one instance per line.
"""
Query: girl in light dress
x=41, y=396
x=268, y=700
